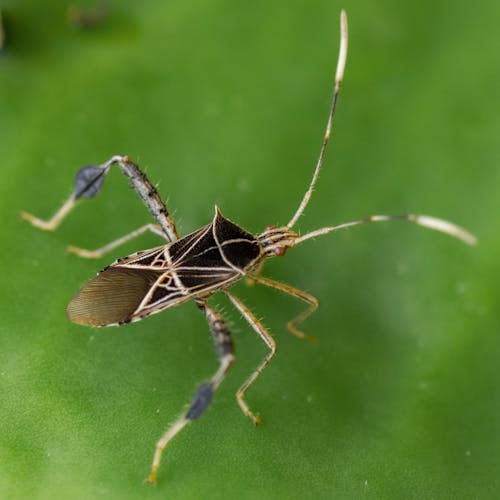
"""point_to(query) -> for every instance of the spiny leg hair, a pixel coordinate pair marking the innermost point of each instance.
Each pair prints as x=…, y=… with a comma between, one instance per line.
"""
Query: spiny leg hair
x=268, y=340
x=203, y=395
x=88, y=182
x=299, y=294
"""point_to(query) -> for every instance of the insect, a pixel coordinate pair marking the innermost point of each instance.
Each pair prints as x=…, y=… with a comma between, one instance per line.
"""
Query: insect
x=195, y=266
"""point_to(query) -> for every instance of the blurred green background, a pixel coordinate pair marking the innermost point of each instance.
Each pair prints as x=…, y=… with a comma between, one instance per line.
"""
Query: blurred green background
x=226, y=102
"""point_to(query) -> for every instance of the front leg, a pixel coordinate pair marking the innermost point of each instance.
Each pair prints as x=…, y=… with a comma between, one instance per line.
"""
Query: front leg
x=203, y=395
x=88, y=182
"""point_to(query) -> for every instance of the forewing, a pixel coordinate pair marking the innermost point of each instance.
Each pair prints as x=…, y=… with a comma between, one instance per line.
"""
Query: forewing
x=181, y=284
x=154, y=258
x=149, y=281
x=111, y=297
x=129, y=292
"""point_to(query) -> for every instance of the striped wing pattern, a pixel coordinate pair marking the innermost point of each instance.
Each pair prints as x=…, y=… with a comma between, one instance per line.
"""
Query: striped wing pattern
x=150, y=281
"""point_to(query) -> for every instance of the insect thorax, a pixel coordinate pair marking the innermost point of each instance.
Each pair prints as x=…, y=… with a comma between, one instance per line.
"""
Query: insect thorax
x=219, y=244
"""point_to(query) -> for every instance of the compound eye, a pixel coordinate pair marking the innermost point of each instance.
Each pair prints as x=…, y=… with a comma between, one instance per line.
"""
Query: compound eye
x=280, y=251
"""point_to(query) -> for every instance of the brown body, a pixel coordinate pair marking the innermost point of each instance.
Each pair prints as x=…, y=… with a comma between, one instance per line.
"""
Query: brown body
x=150, y=281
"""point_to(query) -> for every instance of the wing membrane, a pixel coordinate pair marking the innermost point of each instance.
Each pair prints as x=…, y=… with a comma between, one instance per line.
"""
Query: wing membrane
x=111, y=297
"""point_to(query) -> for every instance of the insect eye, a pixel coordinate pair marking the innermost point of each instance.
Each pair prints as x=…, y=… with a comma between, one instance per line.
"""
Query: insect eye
x=280, y=251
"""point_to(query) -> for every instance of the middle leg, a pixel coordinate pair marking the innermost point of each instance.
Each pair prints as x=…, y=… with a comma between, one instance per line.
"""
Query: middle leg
x=271, y=344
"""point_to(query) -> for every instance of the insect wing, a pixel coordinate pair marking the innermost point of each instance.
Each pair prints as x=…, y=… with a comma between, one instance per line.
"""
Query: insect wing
x=150, y=281
x=111, y=297
x=200, y=263
x=119, y=292
x=195, y=267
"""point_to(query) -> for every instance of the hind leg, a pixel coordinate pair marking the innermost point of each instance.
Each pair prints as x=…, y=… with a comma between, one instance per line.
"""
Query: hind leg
x=203, y=395
x=88, y=182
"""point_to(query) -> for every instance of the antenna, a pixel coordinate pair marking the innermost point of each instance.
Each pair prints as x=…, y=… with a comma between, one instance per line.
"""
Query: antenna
x=441, y=225
x=339, y=75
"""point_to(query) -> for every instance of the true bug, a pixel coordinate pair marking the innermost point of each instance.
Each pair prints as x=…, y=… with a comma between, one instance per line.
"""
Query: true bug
x=197, y=265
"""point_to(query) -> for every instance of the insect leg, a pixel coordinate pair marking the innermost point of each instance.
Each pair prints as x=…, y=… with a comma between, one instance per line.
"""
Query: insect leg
x=149, y=195
x=96, y=254
x=269, y=341
x=203, y=395
x=299, y=294
x=55, y=220
x=88, y=182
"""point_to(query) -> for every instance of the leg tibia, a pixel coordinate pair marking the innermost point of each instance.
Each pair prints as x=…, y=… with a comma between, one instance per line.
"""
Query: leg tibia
x=299, y=294
x=96, y=254
x=271, y=344
x=88, y=182
x=203, y=395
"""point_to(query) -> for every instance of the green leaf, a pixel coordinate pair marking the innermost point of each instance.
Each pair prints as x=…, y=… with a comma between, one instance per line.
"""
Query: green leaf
x=225, y=103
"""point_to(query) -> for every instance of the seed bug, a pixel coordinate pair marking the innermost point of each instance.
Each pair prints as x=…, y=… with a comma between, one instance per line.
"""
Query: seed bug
x=195, y=266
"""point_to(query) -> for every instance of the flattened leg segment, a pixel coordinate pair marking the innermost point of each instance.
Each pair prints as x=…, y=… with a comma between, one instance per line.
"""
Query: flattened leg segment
x=203, y=395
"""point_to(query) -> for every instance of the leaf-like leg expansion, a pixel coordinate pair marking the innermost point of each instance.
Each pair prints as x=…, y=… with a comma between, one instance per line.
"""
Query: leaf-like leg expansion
x=88, y=182
x=269, y=341
x=96, y=254
x=203, y=395
x=299, y=294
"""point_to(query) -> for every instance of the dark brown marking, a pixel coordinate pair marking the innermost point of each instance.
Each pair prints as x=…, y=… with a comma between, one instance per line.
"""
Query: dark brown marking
x=159, y=294
x=240, y=247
